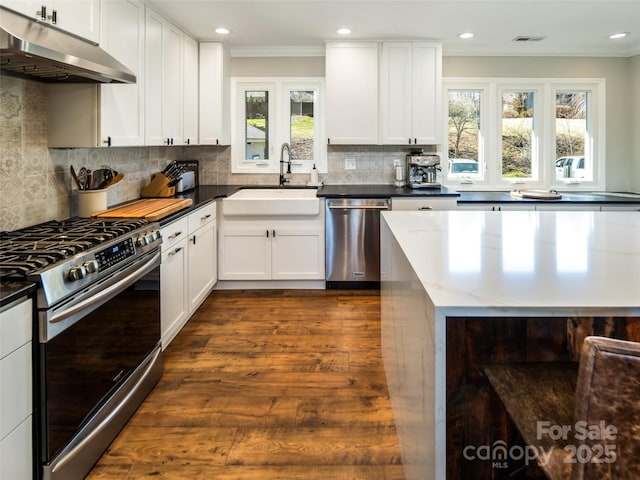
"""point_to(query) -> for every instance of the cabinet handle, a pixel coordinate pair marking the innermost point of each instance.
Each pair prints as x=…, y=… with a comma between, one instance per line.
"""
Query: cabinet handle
x=425, y=208
x=267, y=233
x=194, y=239
x=274, y=233
x=107, y=141
x=42, y=13
x=188, y=142
x=217, y=143
x=54, y=17
x=175, y=235
x=171, y=254
x=202, y=219
x=328, y=141
x=409, y=141
x=415, y=141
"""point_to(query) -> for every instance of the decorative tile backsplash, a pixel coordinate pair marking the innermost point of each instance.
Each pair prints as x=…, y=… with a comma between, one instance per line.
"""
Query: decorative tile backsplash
x=36, y=184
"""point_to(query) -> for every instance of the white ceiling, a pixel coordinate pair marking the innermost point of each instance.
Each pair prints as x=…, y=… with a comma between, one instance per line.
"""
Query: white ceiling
x=571, y=27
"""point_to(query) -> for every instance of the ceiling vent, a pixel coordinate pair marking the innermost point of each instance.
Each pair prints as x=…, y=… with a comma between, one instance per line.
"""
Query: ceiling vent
x=528, y=38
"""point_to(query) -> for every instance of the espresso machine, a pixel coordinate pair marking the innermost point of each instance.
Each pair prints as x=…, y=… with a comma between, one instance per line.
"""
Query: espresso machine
x=422, y=170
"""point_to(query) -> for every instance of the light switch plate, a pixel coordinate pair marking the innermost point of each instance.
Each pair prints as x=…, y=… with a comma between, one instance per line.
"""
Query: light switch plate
x=349, y=163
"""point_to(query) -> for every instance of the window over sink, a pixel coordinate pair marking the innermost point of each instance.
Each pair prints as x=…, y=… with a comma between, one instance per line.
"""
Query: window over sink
x=268, y=112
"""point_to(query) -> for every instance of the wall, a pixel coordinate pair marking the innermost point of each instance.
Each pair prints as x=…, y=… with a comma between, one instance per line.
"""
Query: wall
x=635, y=132
x=619, y=89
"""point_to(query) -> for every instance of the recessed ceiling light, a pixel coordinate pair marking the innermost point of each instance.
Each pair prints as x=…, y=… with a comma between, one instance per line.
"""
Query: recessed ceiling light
x=613, y=36
x=223, y=31
x=343, y=31
x=465, y=35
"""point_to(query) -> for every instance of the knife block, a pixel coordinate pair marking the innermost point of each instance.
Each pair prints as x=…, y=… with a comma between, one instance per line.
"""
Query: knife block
x=158, y=187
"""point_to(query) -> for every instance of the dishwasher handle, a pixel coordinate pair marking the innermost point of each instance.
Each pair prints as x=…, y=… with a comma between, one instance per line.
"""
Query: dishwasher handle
x=358, y=207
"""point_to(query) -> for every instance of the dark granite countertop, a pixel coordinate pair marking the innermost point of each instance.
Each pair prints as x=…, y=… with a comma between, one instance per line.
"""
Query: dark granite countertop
x=567, y=198
x=11, y=291
x=382, y=191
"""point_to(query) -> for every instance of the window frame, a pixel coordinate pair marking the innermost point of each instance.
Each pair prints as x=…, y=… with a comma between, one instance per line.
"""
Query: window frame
x=279, y=89
x=544, y=131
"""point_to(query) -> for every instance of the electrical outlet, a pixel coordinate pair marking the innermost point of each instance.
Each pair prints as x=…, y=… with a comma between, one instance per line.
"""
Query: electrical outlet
x=349, y=163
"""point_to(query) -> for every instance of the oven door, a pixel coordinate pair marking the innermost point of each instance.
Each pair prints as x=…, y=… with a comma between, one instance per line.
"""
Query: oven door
x=89, y=347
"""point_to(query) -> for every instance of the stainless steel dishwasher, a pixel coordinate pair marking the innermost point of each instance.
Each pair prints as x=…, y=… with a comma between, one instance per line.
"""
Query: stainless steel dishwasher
x=353, y=242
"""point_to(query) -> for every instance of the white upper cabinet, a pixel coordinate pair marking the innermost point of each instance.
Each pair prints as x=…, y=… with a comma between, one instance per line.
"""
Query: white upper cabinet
x=80, y=17
x=163, y=81
x=215, y=86
x=122, y=105
x=189, y=90
x=352, y=93
x=411, y=92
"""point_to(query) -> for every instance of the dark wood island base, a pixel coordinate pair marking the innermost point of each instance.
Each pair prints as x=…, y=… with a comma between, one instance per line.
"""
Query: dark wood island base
x=482, y=440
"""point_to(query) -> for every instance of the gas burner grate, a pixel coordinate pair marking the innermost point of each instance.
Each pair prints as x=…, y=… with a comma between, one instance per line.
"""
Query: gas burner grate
x=25, y=251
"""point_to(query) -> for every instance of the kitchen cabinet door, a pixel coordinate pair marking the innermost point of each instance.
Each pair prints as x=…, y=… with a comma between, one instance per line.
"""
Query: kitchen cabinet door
x=163, y=81
x=80, y=17
x=297, y=254
x=352, y=93
x=427, y=93
x=202, y=264
x=16, y=453
x=153, y=78
x=215, y=94
x=122, y=105
x=189, y=90
x=244, y=254
x=172, y=86
x=174, y=304
x=411, y=93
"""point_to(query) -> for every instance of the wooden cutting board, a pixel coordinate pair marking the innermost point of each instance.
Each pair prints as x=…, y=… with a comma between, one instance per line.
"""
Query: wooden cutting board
x=151, y=209
x=537, y=194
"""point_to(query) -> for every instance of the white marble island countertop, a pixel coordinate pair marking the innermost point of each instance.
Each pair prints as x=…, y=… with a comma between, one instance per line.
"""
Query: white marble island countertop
x=515, y=277
x=531, y=260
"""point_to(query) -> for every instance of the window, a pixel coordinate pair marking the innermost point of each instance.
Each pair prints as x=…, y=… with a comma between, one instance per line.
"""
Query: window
x=464, y=134
x=269, y=112
x=519, y=155
x=519, y=133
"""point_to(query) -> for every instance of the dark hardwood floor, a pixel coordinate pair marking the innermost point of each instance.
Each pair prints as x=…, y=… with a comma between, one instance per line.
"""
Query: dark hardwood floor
x=267, y=385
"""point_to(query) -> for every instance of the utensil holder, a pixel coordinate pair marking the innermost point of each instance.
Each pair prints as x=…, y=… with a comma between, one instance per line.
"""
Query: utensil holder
x=158, y=187
x=91, y=201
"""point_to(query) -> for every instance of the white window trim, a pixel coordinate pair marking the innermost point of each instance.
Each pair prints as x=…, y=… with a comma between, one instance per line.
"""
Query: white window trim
x=490, y=146
x=279, y=117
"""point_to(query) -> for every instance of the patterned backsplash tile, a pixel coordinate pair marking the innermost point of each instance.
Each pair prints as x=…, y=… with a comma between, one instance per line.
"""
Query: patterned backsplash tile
x=36, y=184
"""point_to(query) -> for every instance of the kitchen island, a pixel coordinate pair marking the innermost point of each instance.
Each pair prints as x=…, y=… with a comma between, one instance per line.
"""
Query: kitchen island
x=461, y=289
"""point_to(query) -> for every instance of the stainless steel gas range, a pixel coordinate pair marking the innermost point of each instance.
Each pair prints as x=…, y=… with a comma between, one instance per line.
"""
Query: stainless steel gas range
x=98, y=331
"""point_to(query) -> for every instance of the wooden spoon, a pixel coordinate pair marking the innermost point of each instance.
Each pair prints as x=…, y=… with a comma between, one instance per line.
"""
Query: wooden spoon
x=75, y=178
x=114, y=180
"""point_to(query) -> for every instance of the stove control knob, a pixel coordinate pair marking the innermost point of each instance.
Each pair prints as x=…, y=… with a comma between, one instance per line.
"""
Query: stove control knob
x=77, y=273
x=91, y=266
x=153, y=236
x=142, y=241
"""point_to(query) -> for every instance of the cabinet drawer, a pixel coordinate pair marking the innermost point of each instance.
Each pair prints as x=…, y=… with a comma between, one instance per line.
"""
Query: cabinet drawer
x=415, y=204
x=202, y=216
x=15, y=327
x=16, y=453
x=174, y=232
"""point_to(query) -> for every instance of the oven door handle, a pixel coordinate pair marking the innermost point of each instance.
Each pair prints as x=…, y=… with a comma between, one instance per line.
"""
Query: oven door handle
x=108, y=292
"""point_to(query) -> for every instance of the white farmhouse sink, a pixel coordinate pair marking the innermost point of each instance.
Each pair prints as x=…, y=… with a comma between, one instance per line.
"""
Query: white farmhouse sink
x=272, y=201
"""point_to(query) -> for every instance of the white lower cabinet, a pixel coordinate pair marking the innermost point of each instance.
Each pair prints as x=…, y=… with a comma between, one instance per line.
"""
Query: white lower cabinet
x=496, y=207
x=271, y=248
x=283, y=252
x=423, y=203
x=16, y=401
x=188, y=271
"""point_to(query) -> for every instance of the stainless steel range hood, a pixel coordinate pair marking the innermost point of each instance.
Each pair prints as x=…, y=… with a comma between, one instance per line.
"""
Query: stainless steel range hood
x=30, y=49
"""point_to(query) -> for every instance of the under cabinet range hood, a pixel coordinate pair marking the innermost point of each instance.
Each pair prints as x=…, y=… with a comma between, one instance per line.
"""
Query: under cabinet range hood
x=30, y=49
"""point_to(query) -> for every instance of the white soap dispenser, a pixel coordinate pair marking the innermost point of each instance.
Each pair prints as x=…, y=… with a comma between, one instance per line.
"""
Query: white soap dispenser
x=314, y=175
